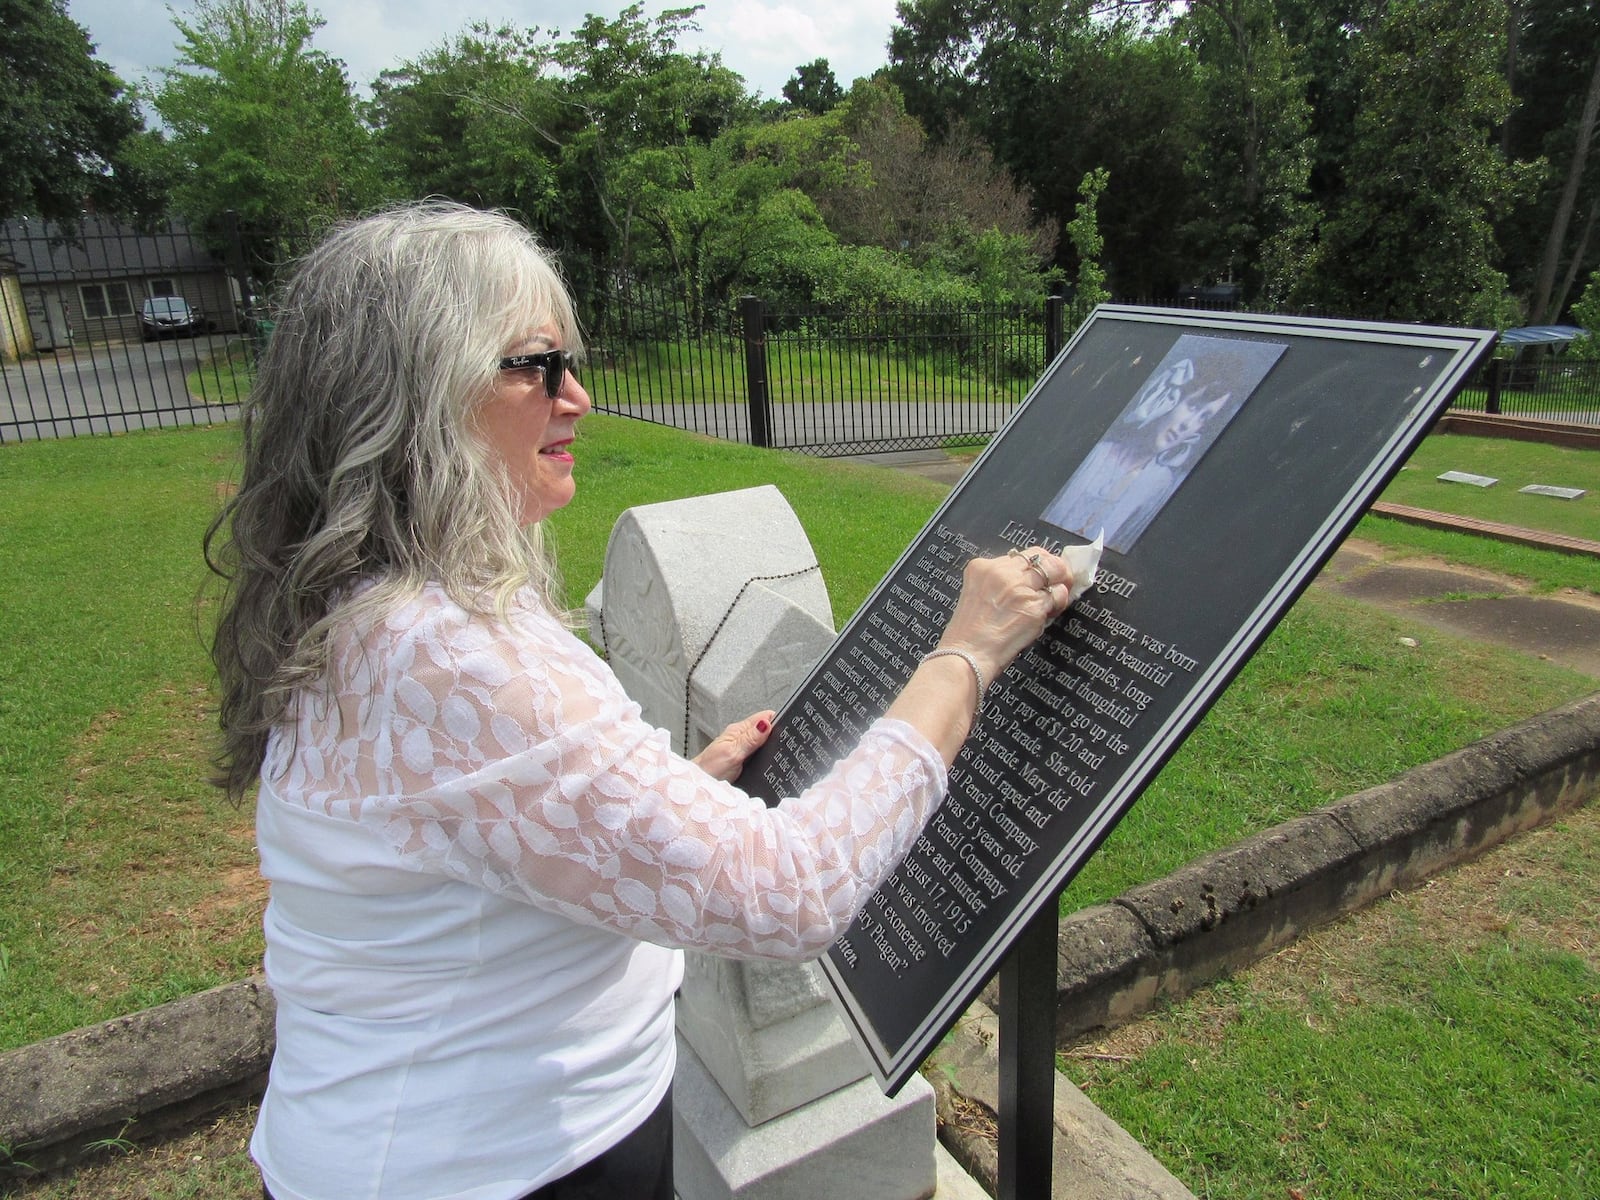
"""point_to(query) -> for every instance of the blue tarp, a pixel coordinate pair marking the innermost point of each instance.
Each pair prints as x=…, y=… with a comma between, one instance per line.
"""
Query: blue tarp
x=1542, y=335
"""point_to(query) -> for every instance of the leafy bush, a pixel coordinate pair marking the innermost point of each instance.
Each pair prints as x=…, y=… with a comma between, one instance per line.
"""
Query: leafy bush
x=861, y=277
x=1586, y=312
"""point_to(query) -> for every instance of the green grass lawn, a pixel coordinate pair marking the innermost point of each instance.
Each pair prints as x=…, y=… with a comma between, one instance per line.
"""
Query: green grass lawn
x=125, y=880
x=1442, y=1043
x=110, y=841
x=1515, y=465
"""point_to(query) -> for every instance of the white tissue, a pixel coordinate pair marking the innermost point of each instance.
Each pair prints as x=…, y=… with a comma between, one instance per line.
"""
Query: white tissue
x=1085, y=564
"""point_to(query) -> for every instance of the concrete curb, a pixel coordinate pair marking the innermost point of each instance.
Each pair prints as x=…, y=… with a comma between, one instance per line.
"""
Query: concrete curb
x=1230, y=908
x=160, y=1069
x=1093, y=1158
x=133, y=1077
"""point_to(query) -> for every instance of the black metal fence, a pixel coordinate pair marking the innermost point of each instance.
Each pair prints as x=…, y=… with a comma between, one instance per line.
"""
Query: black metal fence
x=1549, y=388
x=78, y=360
x=822, y=382
x=112, y=330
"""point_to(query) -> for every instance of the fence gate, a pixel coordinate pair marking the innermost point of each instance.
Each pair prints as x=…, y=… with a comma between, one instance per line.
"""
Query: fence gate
x=106, y=329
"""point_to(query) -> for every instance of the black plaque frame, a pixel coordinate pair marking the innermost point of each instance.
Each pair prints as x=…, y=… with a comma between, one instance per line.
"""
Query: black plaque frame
x=1321, y=433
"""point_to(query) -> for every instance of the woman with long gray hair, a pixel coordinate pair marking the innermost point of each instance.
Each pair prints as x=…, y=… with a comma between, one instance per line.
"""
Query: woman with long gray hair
x=482, y=861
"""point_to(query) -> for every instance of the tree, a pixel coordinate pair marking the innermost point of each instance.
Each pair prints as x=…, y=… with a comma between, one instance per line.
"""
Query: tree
x=1586, y=312
x=715, y=217
x=911, y=195
x=629, y=89
x=1540, y=308
x=1324, y=35
x=562, y=130
x=1412, y=237
x=1549, y=235
x=1084, y=230
x=1057, y=89
x=813, y=88
x=1251, y=172
x=262, y=123
x=476, y=120
x=71, y=133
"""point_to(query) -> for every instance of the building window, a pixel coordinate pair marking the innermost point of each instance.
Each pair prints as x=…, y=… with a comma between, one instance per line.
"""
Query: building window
x=162, y=287
x=101, y=300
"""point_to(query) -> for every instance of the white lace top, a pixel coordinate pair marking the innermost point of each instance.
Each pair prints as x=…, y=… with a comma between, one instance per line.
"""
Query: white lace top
x=477, y=851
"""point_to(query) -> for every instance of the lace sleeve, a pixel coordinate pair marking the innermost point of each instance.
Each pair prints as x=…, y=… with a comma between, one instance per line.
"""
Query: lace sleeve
x=519, y=765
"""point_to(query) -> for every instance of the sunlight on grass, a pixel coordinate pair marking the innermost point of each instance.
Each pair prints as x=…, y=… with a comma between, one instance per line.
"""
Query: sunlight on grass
x=1440, y=1043
x=1515, y=465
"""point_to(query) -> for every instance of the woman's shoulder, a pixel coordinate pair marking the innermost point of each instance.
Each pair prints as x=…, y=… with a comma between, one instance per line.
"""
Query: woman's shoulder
x=431, y=621
x=436, y=643
x=433, y=612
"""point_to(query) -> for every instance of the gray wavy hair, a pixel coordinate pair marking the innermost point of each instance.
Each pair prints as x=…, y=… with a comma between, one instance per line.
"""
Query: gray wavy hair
x=362, y=477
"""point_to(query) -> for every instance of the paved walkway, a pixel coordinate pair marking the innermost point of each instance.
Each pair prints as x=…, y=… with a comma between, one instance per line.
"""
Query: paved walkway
x=1563, y=629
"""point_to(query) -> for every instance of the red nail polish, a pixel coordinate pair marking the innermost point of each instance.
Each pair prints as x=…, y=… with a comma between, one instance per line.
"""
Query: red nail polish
x=762, y=726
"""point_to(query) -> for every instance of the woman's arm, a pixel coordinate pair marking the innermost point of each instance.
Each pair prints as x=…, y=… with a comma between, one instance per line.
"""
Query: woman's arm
x=517, y=764
x=1004, y=606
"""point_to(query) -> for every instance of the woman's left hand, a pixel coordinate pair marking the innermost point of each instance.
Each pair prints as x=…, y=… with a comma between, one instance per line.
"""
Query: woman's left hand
x=724, y=756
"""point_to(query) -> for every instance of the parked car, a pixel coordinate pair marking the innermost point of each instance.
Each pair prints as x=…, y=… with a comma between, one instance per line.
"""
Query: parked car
x=171, y=316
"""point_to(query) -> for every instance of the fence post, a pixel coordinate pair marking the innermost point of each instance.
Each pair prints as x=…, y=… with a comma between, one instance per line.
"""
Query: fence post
x=239, y=268
x=753, y=316
x=236, y=260
x=1492, y=403
x=1054, y=321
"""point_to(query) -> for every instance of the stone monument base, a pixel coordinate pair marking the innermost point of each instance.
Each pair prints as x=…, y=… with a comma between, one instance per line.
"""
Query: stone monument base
x=852, y=1144
x=766, y=1033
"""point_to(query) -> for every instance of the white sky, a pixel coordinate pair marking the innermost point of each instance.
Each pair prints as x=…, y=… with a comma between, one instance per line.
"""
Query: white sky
x=763, y=40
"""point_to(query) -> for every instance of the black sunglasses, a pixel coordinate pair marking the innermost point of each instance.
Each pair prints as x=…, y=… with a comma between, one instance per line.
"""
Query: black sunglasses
x=553, y=363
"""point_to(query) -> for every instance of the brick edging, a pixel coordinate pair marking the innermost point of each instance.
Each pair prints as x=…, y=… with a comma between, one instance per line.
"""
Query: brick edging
x=1577, y=435
x=1538, y=538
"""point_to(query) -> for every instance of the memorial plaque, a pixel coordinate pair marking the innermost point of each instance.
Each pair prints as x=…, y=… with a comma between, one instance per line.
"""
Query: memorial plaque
x=1560, y=493
x=1223, y=457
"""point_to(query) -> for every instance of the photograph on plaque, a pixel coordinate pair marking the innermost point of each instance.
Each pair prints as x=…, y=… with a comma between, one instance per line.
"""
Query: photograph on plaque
x=1247, y=448
x=1155, y=442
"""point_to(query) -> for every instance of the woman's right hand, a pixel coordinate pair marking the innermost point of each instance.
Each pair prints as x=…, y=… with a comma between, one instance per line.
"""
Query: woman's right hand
x=1005, y=604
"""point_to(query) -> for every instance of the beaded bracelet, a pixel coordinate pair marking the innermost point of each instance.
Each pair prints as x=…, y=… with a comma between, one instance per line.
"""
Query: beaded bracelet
x=977, y=673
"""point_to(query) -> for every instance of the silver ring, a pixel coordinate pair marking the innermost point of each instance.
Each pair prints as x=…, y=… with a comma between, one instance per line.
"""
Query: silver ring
x=1033, y=565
